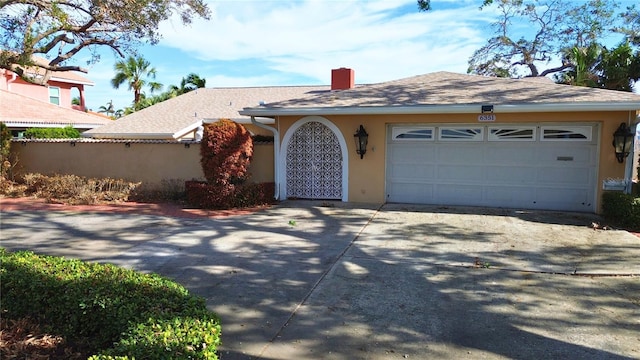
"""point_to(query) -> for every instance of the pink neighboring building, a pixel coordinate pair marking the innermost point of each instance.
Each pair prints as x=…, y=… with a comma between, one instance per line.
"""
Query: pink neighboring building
x=60, y=89
x=19, y=112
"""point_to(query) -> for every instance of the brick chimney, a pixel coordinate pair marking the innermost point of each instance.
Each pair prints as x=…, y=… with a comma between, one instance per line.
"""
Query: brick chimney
x=342, y=79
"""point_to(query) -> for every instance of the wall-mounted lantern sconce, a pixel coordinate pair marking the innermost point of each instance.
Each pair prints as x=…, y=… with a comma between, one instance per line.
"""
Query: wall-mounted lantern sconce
x=622, y=141
x=487, y=109
x=187, y=145
x=127, y=144
x=73, y=144
x=361, y=137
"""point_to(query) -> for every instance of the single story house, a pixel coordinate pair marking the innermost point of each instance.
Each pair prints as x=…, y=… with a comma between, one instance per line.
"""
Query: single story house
x=450, y=139
x=179, y=118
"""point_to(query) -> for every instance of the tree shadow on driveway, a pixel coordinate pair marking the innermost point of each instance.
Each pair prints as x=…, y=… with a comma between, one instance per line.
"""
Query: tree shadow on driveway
x=303, y=280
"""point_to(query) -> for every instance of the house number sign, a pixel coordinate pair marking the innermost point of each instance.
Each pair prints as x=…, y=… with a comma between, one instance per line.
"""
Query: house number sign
x=486, y=117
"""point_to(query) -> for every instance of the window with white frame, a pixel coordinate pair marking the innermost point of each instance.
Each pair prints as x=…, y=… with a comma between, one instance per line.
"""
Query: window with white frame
x=412, y=133
x=54, y=95
x=459, y=133
x=512, y=133
x=566, y=133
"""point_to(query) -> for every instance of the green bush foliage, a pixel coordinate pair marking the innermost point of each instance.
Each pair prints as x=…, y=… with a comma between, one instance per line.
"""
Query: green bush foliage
x=112, y=312
x=78, y=190
x=67, y=132
x=207, y=196
x=621, y=209
x=5, y=150
x=225, y=150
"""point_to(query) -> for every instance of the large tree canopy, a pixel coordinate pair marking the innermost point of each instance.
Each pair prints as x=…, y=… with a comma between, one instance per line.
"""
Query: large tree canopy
x=555, y=26
x=56, y=30
x=570, y=31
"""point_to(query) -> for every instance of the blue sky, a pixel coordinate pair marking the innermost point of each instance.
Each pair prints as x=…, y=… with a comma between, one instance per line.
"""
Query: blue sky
x=267, y=43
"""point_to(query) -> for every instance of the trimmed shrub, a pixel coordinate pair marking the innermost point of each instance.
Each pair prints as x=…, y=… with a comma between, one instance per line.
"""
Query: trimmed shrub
x=67, y=132
x=226, y=150
x=107, y=310
x=621, y=209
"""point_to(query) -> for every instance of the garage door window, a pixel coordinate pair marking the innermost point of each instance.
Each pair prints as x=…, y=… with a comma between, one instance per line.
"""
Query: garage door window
x=461, y=134
x=412, y=133
x=566, y=133
x=512, y=133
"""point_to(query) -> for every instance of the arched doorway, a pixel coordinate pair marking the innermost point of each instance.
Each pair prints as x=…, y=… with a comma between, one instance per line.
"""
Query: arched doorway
x=314, y=160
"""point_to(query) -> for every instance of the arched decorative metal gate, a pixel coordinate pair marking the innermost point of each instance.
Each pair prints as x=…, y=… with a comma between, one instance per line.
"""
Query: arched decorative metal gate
x=314, y=163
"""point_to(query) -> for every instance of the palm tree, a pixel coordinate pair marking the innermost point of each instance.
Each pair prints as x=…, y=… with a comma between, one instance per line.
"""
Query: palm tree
x=585, y=61
x=134, y=71
x=620, y=68
x=189, y=83
x=107, y=109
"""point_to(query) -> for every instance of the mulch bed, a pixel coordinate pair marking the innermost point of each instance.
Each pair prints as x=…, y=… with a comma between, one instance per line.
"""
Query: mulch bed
x=23, y=339
x=162, y=209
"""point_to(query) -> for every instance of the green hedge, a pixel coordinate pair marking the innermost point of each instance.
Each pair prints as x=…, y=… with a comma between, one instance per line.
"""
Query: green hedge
x=621, y=209
x=109, y=311
x=67, y=132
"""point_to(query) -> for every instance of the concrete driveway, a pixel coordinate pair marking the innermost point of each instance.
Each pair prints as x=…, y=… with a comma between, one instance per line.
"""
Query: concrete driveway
x=320, y=280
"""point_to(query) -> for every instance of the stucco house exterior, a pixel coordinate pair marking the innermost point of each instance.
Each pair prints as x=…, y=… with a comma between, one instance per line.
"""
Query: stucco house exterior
x=26, y=105
x=20, y=112
x=450, y=139
x=59, y=88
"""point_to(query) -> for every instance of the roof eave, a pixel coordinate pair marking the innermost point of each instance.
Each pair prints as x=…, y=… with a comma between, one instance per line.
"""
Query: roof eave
x=182, y=132
x=71, y=81
x=444, y=109
x=130, y=136
x=240, y=120
x=45, y=124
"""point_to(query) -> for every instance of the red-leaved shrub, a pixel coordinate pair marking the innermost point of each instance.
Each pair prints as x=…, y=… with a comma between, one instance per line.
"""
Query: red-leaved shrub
x=207, y=196
x=226, y=150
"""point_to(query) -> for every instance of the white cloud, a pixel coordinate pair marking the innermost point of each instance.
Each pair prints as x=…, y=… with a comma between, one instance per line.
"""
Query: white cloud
x=257, y=43
x=311, y=37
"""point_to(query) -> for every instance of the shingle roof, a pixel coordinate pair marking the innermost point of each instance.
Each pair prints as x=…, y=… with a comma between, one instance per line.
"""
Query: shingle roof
x=446, y=89
x=23, y=111
x=175, y=117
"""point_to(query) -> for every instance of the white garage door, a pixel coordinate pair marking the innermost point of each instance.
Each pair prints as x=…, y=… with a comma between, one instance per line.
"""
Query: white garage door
x=535, y=166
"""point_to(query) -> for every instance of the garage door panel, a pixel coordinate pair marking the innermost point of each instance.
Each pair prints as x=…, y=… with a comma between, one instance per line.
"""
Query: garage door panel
x=578, y=155
x=452, y=173
x=458, y=194
x=556, y=173
x=508, y=195
x=407, y=153
x=566, y=175
x=510, y=155
x=451, y=154
x=518, y=175
x=554, y=197
x=424, y=172
x=408, y=192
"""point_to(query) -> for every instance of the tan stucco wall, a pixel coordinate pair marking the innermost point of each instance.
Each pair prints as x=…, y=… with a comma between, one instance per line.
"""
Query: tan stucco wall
x=140, y=162
x=262, y=164
x=367, y=176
